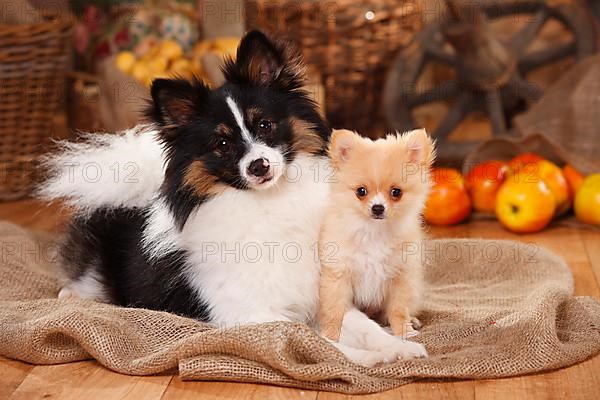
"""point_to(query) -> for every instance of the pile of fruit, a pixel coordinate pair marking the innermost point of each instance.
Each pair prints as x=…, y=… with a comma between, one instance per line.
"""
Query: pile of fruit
x=525, y=193
x=167, y=58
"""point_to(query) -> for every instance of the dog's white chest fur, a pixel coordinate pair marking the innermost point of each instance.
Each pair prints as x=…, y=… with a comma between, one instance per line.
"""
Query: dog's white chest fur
x=253, y=254
x=371, y=263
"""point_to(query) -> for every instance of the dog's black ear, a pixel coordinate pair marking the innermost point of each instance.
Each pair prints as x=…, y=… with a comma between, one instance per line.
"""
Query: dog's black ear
x=258, y=57
x=261, y=61
x=175, y=101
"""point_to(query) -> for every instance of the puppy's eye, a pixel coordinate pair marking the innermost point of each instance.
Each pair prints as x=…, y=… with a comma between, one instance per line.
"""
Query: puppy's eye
x=265, y=126
x=361, y=192
x=396, y=193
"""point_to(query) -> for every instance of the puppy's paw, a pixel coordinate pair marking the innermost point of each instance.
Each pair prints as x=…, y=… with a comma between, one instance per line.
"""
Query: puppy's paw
x=410, y=331
x=405, y=330
x=416, y=323
x=407, y=350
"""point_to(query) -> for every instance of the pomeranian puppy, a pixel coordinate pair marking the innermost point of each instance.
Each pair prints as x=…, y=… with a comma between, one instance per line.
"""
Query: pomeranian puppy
x=373, y=223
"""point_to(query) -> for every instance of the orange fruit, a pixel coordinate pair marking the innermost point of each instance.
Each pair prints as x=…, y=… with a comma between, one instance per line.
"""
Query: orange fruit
x=448, y=202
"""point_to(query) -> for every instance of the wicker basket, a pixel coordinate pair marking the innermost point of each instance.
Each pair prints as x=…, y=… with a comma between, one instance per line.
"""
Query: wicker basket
x=33, y=62
x=351, y=43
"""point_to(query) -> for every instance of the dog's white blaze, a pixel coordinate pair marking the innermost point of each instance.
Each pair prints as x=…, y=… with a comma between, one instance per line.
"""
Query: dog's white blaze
x=378, y=199
x=239, y=119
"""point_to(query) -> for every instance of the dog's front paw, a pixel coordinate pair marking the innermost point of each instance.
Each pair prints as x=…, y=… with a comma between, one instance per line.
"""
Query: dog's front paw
x=375, y=358
x=68, y=293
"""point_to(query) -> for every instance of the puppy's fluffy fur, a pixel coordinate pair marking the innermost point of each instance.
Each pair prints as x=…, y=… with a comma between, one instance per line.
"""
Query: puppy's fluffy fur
x=371, y=229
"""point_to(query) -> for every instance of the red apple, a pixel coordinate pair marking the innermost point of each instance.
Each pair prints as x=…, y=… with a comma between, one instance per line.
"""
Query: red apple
x=483, y=183
x=522, y=161
x=574, y=179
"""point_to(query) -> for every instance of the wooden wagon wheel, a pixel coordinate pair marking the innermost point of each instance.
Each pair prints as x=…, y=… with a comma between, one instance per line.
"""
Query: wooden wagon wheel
x=490, y=74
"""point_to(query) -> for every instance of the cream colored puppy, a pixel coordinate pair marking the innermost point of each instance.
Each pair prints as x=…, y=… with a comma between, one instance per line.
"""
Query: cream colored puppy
x=373, y=219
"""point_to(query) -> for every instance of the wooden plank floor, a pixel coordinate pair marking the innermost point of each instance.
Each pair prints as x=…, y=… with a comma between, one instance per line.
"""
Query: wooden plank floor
x=88, y=380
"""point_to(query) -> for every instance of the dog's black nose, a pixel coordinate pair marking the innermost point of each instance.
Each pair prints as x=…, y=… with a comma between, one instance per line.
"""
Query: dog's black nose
x=378, y=210
x=259, y=167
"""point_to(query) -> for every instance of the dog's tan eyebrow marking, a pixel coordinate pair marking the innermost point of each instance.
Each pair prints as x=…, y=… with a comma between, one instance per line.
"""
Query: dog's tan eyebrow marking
x=253, y=113
x=224, y=130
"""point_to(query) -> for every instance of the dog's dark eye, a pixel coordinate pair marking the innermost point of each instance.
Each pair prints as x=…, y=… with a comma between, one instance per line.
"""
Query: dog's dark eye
x=361, y=192
x=223, y=146
x=265, y=126
x=396, y=193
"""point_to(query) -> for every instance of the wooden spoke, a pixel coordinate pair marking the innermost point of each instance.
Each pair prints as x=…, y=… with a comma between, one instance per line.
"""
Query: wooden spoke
x=501, y=8
x=454, y=116
x=495, y=110
x=489, y=74
x=444, y=92
x=540, y=58
x=439, y=54
x=524, y=89
x=401, y=86
x=525, y=36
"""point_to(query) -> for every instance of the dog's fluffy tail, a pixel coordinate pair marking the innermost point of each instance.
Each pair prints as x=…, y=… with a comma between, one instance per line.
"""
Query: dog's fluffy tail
x=105, y=170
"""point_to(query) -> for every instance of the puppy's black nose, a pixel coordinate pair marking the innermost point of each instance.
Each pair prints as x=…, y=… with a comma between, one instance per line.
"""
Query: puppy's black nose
x=377, y=210
x=259, y=167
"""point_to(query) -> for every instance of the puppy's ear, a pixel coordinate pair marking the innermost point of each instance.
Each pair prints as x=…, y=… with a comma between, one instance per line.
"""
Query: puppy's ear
x=342, y=143
x=420, y=147
x=261, y=61
x=175, y=101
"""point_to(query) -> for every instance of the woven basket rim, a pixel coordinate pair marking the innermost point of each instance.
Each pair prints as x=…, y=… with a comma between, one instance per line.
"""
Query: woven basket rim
x=56, y=24
x=385, y=14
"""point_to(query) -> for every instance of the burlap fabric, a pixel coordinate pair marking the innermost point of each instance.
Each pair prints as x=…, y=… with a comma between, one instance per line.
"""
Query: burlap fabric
x=492, y=309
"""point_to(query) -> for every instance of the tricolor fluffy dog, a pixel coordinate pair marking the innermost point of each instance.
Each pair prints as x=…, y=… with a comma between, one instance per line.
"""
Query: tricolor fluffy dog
x=371, y=228
x=216, y=211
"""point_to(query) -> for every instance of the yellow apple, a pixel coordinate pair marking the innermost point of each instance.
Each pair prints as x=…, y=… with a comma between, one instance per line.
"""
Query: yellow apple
x=523, y=206
x=158, y=64
x=141, y=72
x=125, y=61
x=170, y=49
x=587, y=200
x=227, y=45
